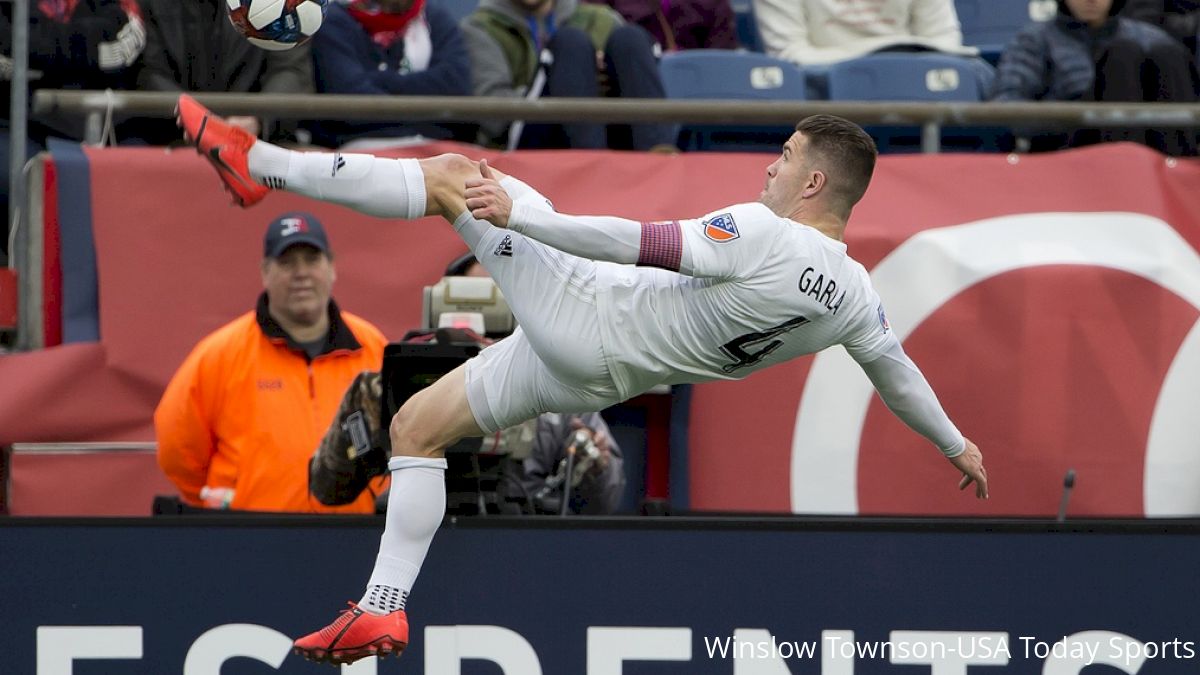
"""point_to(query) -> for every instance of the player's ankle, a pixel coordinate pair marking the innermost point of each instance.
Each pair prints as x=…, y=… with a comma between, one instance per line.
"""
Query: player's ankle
x=268, y=163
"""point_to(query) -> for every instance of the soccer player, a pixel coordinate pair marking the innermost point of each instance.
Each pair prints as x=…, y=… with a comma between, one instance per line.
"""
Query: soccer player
x=717, y=297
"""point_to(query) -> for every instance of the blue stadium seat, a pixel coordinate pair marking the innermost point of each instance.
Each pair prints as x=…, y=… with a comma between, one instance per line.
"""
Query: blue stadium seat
x=921, y=76
x=459, y=8
x=723, y=74
x=991, y=24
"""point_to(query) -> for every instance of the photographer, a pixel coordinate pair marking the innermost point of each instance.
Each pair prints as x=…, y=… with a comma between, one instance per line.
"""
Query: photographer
x=599, y=480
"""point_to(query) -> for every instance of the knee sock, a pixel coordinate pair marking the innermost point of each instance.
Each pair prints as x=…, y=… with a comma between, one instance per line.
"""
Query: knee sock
x=416, y=504
x=387, y=188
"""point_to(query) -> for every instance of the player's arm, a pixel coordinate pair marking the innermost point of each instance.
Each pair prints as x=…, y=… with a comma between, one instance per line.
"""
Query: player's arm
x=679, y=246
x=908, y=395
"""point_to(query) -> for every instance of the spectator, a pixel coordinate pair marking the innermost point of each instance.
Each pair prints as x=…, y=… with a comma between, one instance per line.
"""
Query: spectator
x=682, y=24
x=1180, y=18
x=390, y=48
x=822, y=32
x=88, y=44
x=192, y=46
x=1090, y=53
x=534, y=48
x=240, y=418
x=532, y=484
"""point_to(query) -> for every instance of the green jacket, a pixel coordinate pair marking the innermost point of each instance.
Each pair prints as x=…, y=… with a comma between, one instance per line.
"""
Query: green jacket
x=516, y=41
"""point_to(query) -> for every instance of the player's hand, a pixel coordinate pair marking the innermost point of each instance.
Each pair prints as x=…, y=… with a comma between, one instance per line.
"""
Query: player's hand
x=486, y=199
x=970, y=463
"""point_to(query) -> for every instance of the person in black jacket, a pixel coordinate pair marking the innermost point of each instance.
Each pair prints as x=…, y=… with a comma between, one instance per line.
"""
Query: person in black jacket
x=390, y=48
x=192, y=46
x=88, y=44
x=1180, y=18
x=1091, y=53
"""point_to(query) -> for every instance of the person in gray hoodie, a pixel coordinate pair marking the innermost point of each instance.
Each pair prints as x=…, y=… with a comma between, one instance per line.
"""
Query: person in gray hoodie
x=1089, y=53
x=535, y=48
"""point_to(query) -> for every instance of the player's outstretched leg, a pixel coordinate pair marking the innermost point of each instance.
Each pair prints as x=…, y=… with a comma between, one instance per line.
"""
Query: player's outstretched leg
x=430, y=420
x=376, y=186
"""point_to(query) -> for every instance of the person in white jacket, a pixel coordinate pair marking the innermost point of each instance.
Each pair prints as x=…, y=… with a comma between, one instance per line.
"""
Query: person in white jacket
x=822, y=32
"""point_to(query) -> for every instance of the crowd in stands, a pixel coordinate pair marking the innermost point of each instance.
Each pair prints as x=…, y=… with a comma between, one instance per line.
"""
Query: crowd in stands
x=1101, y=50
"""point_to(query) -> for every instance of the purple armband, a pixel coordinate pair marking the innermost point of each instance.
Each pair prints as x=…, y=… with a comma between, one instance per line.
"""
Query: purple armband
x=662, y=245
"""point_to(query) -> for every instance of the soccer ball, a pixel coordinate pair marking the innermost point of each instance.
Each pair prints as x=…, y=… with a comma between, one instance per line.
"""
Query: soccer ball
x=277, y=24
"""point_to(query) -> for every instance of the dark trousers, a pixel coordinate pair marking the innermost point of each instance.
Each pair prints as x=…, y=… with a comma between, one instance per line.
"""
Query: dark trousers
x=1165, y=72
x=631, y=71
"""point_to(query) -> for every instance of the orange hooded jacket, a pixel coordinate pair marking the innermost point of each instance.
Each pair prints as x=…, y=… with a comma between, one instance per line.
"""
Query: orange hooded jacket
x=247, y=409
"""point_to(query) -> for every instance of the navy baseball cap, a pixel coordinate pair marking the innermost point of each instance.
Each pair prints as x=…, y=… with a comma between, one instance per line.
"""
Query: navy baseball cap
x=291, y=229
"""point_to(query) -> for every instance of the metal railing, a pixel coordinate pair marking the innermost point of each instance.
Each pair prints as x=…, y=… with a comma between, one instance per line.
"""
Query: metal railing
x=930, y=116
x=18, y=92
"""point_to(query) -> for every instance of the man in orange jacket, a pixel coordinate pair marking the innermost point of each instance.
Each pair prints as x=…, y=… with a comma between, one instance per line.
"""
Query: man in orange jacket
x=240, y=419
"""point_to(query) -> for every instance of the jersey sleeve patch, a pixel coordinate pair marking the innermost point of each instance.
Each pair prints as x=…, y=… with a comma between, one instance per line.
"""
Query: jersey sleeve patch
x=721, y=228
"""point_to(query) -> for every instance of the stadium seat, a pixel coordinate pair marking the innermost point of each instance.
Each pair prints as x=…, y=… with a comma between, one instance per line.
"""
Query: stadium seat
x=907, y=77
x=991, y=24
x=459, y=8
x=721, y=74
x=921, y=76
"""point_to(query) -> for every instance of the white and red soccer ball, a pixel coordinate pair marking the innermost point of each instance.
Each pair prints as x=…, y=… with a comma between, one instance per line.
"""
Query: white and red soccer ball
x=277, y=24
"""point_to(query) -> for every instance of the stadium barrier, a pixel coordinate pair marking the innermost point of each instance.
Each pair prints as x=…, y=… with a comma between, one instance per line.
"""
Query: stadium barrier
x=81, y=479
x=930, y=116
x=671, y=596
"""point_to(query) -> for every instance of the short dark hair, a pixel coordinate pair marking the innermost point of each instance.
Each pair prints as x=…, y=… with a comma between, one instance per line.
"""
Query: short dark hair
x=849, y=150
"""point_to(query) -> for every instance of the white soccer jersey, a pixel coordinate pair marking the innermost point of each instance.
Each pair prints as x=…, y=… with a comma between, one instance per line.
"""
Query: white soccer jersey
x=754, y=290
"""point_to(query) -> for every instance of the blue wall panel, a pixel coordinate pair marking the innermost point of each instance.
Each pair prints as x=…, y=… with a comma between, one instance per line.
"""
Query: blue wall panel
x=552, y=581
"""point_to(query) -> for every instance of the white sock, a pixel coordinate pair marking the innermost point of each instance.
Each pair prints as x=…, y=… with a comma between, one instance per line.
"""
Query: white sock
x=416, y=505
x=387, y=188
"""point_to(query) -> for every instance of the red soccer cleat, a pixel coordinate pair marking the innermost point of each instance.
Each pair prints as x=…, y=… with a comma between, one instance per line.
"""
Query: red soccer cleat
x=356, y=634
x=224, y=145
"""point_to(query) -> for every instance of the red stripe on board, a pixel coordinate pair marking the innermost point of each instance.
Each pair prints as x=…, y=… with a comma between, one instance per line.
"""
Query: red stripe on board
x=51, y=259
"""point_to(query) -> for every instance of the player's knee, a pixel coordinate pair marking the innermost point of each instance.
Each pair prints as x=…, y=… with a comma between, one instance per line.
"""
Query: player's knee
x=451, y=167
x=445, y=176
x=410, y=437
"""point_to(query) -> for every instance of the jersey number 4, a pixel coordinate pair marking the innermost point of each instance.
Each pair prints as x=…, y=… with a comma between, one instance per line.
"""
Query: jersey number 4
x=749, y=349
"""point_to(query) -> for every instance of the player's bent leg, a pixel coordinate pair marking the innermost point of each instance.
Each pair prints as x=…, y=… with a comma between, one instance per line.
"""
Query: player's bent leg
x=434, y=418
x=509, y=383
x=378, y=625
x=552, y=295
